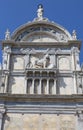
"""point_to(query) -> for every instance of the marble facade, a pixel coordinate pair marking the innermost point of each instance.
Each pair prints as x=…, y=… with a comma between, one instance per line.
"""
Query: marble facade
x=41, y=78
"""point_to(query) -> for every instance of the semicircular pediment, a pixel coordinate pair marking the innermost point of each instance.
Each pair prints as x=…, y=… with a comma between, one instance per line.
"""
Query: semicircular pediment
x=41, y=30
x=40, y=36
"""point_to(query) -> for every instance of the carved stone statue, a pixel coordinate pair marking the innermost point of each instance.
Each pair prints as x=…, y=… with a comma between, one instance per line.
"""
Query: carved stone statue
x=4, y=60
x=6, y=50
x=40, y=12
x=74, y=35
x=42, y=63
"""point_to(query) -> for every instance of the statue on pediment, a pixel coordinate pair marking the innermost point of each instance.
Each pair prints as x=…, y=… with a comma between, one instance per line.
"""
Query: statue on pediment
x=40, y=12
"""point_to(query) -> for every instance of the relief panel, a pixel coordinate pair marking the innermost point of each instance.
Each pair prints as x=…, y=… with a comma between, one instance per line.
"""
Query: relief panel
x=40, y=60
x=64, y=63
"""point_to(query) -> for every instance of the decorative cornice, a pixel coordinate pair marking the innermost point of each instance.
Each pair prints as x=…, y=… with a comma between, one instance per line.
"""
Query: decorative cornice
x=41, y=98
x=70, y=43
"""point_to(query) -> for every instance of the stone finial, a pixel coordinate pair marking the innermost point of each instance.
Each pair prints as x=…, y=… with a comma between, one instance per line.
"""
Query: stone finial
x=74, y=35
x=7, y=35
x=40, y=12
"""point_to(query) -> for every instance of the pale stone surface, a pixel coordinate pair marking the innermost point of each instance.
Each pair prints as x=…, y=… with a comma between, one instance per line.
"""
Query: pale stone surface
x=80, y=125
x=26, y=71
x=41, y=39
x=17, y=62
x=40, y=122
x=64, y=62
x=65, y=85
x=17, y=84
x=67, y=122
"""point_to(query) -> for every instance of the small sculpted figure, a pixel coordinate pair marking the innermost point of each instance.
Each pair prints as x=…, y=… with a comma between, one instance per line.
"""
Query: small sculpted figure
x=40, y=12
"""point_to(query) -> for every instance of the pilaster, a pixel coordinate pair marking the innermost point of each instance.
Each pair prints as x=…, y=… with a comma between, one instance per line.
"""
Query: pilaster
x=74, y=84
x=39, y=88
x=2, y=111
x=54, y=89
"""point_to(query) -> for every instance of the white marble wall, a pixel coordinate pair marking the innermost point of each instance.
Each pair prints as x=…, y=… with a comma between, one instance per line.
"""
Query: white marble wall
x=17, y=62
x=64, y=62
x=40, y=121
x=17, y=85
x=65, y=85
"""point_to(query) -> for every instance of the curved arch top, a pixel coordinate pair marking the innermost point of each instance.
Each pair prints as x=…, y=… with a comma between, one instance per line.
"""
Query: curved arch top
x=41, y=31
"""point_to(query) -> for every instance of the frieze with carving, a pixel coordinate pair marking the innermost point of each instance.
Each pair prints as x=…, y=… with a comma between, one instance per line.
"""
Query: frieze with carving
x=41, y=61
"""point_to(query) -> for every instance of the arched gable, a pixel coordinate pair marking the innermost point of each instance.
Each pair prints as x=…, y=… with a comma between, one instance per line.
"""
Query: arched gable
x=41, y=31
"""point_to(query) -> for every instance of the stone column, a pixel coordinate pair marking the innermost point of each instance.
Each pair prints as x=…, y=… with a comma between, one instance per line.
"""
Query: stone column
x=2, y=111
x=39, y=88
x=75, y=84
x=47, y=86
x=54, y=89
x=82, y=82
x=32, y=87
x=8, y=62
x=1, y=117
x=76, y=66
x=26, y=85
x=6, y=65
x=6, y=57
x=80, y=120
x=75, y=59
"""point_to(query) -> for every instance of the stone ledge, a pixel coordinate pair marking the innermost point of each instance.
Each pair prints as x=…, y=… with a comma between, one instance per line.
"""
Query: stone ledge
x=70, y=43
x=41, y=98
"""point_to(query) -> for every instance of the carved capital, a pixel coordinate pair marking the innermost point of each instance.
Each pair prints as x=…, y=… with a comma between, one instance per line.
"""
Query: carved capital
x=75, y=50
x=7, y=49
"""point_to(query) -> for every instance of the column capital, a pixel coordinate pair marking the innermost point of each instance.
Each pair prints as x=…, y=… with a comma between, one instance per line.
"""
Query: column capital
x=75, y=50
x=7, y=49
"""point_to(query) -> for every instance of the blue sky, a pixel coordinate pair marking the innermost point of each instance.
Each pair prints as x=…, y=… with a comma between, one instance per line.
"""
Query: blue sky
x=68, y=13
